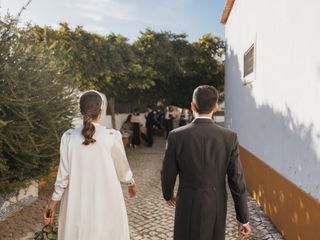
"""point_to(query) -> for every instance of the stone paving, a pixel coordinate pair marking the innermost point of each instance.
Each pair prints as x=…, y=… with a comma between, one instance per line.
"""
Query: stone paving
x=149, y=216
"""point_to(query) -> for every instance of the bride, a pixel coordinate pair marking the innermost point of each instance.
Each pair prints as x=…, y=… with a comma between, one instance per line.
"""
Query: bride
x=93, y=162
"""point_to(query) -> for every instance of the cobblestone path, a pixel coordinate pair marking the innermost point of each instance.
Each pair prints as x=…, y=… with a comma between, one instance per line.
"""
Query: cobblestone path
x=149, y=216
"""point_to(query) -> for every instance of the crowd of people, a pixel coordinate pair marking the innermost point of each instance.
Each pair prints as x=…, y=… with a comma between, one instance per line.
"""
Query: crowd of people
x=139, y=126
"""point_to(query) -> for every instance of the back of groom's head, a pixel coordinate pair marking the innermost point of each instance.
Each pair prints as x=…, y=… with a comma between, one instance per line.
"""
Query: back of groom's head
x=205, y=98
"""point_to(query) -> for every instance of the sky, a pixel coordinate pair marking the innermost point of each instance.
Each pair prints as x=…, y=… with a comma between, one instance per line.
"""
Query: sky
x=126, y=17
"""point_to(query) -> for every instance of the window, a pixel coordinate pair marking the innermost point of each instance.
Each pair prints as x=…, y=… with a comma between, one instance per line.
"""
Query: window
x=249, y=61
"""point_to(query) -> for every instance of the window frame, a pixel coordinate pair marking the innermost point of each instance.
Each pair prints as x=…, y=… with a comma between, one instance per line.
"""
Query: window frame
x=249, y=77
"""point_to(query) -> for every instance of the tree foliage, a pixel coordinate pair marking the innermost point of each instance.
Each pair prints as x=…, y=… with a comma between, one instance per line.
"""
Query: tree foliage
x=179, y=66
x=158, y=66
x=36, y=106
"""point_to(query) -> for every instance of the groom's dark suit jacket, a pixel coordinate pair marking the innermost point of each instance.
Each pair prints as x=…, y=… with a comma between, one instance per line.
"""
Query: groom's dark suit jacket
x=203, y=154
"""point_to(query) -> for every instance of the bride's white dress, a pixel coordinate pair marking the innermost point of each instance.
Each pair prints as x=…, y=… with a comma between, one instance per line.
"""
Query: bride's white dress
x=88, y=185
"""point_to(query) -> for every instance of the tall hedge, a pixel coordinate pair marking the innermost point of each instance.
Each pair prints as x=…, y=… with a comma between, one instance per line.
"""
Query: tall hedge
x=36, y=106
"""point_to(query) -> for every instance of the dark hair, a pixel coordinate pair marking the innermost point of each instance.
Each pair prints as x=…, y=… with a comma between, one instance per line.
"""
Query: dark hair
x=205, y=97
x=90, y=107
x=129, y=118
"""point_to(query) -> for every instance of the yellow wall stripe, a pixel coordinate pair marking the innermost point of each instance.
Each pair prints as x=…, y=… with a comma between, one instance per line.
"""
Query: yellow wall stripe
x=294, y=212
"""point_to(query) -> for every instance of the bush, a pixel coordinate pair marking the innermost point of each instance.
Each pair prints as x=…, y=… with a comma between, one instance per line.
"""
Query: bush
x=36, y=106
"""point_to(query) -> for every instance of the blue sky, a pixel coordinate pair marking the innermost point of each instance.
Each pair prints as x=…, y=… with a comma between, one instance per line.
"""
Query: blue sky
x=127, y=17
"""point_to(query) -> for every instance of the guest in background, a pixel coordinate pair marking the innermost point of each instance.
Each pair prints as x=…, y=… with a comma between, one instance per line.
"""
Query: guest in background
x=176, y=117
x=149, y=125
x=183, y=118
x=159, y=117
x=168, y=120
x=126, y=130
x=135, y=120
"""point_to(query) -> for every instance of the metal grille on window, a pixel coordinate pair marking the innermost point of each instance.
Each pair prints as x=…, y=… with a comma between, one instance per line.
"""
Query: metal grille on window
x=249, y=61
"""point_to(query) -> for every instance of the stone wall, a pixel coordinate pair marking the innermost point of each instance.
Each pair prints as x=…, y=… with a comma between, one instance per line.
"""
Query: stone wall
x=17, y=200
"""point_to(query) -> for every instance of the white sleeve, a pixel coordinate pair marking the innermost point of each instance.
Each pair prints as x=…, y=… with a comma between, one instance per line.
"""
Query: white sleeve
x=120, y=159
x=62, y=179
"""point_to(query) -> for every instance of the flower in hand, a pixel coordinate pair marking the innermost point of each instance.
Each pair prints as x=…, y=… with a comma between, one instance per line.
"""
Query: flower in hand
x=48, y=215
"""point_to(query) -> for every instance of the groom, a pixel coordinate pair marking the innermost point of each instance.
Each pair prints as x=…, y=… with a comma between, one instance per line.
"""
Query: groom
x=203, y=154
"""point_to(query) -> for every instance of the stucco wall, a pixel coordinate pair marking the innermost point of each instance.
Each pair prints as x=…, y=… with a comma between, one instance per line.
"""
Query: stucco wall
x=277, y=117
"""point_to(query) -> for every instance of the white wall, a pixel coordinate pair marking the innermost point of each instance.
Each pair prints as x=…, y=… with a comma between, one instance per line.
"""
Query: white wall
x=278, y=117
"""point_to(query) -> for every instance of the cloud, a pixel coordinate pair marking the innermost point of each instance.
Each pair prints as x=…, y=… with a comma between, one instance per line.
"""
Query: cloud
x=90, y=16
x=137, y=11
x=95, y=28
x=129, y=17
x=97, y=9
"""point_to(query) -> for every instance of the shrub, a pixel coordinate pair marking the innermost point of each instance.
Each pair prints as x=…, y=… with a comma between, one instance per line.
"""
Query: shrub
x=36, y=106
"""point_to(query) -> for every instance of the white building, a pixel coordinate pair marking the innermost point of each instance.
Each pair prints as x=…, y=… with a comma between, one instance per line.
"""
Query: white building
x=272, y=96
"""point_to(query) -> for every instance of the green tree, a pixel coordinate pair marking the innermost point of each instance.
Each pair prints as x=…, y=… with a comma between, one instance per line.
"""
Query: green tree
x=179, y=66
x=160, y=62
x=201, y=64
x=106, y=63
x=36, y=106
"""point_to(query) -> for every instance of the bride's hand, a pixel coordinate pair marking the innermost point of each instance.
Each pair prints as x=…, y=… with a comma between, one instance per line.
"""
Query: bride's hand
x=132, y=190
x=48, y=215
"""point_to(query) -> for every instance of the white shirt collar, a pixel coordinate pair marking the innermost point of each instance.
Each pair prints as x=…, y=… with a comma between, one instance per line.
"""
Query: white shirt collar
x=203, y=117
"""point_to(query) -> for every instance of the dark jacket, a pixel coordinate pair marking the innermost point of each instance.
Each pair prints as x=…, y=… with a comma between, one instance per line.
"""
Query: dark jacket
x=203, y=154
x=150, y=120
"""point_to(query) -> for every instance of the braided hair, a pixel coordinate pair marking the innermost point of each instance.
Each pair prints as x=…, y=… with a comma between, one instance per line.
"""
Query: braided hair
x=90, y=106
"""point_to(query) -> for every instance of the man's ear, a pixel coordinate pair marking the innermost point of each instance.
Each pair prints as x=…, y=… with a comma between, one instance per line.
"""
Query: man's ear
x=216, y=108
x=194, y=107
